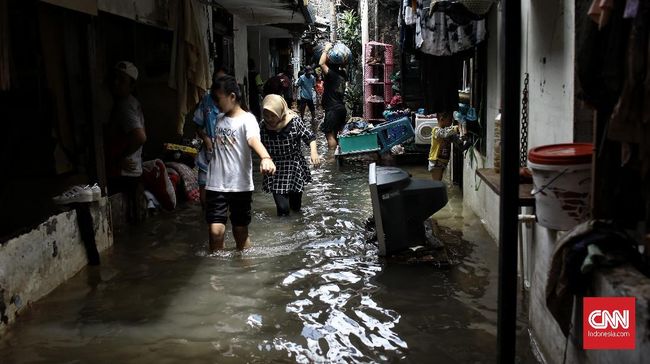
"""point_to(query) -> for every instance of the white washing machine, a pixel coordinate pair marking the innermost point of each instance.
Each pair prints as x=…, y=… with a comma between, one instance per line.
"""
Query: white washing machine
x=424, y=129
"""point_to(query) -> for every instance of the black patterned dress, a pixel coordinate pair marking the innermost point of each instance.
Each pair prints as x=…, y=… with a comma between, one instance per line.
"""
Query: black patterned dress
x=285, y=147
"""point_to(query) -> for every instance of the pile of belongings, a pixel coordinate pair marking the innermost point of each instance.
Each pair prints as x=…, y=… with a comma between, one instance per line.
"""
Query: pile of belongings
x=356, y=126
x=167, y=183
x=391, y=115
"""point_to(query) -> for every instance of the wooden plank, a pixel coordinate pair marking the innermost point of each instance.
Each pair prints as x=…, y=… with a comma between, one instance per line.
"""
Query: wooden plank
x=493, y=180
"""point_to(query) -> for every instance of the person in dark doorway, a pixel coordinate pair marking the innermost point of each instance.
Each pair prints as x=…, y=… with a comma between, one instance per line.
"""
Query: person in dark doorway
x=229, y=188
x=335, y=113
x=279, y=84
x=255, y=85
x=282, y=133
x=205, y=118
x=306, y=90
x=287, y=83
x=125, y=137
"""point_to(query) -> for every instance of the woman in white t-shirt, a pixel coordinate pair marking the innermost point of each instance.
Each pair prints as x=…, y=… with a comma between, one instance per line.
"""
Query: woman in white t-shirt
x=229, y=186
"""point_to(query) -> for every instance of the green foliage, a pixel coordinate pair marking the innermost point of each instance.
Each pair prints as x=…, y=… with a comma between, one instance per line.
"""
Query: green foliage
x=349, y=33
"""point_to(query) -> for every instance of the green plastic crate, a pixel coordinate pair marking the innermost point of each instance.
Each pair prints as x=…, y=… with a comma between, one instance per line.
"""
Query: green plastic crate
x=361, y=143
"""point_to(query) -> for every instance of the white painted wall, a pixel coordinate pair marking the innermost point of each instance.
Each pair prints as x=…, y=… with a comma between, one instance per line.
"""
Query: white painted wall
x=240, y=45
x=363, y=9
x=550, y=61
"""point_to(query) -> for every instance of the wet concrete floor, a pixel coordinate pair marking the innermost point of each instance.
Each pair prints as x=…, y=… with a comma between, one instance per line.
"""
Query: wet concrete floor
x=310, y=290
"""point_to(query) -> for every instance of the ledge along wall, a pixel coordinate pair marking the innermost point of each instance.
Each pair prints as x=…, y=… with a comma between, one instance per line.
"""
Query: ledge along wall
x=34, y=264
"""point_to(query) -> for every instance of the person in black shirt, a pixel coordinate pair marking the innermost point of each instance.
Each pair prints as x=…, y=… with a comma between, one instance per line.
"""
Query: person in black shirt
x=333, y=98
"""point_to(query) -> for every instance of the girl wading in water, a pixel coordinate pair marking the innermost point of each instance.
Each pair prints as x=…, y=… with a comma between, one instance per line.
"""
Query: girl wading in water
x=282, y=132
x=229, y=186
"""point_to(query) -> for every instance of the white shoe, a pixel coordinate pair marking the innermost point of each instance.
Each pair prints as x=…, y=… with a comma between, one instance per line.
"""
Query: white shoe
x=74, y=194
x=97, y=192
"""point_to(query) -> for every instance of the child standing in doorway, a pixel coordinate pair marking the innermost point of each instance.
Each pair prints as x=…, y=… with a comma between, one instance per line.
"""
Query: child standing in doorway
x=442, y=137
x=282, y=133
x=229, y=186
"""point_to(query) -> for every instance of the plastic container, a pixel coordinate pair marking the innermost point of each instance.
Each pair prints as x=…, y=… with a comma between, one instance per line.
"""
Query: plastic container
x=360, y=143
x=395, y=132
x=562, y=183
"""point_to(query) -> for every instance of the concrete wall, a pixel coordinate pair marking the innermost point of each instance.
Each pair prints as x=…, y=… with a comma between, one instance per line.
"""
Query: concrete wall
x=34, y=264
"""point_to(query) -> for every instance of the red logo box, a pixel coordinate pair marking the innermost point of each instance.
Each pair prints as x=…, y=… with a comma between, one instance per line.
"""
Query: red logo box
x=609, y=322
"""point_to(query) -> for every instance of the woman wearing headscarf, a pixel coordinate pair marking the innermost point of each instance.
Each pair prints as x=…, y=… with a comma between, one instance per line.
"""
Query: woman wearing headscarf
x=282, y=132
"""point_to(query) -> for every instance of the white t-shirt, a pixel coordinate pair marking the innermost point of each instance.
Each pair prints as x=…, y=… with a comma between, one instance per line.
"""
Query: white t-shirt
x=231, y=166
x=128, y=113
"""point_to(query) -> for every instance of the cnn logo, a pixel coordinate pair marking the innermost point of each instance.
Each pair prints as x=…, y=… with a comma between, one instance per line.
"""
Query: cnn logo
x=609, y=323
x=602, y=319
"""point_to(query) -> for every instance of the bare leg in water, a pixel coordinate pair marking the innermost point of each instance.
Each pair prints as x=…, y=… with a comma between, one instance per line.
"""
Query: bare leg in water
x=331, y=140
x=218, y=232
x=242, y=239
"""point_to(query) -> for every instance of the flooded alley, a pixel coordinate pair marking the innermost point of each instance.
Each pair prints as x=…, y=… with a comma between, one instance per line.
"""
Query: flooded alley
x=310, y=290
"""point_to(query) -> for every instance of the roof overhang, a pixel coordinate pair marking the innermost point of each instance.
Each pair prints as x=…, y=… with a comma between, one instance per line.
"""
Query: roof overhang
x=266, y=12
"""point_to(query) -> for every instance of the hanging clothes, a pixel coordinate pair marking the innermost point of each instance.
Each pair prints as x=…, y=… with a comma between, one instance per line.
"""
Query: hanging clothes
x=409, y=9
x=189, y=74
x=630, y=120
x=438, y=34
x=406, y=30
x=440, y=80
x=601, y=61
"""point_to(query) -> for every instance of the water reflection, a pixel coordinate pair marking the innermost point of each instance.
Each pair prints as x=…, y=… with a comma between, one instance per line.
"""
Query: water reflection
x=310, y=290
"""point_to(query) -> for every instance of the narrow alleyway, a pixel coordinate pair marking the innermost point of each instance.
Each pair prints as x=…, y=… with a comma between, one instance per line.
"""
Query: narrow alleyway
x=311, y=290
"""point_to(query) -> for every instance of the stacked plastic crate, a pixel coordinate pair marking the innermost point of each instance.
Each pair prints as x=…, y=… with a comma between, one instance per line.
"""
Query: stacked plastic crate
x=378, y=88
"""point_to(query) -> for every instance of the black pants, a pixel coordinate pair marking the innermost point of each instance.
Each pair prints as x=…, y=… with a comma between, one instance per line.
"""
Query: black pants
x=132, y=189
x=302, y=103
x=284, y=202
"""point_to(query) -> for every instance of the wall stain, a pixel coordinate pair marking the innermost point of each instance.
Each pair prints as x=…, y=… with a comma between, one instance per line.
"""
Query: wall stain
x=50, y=226
x=3, y=308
